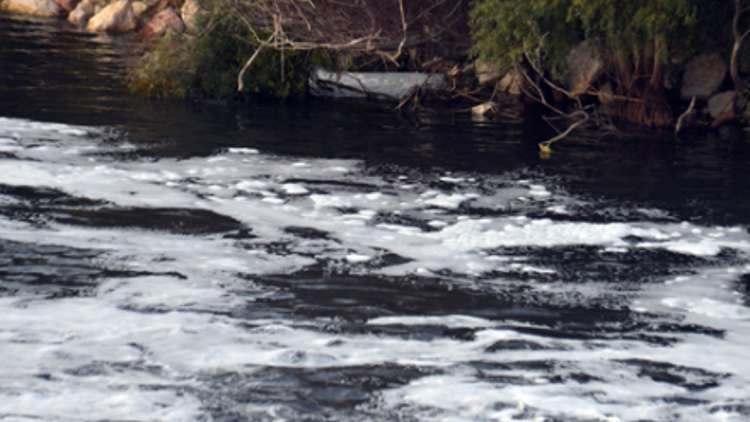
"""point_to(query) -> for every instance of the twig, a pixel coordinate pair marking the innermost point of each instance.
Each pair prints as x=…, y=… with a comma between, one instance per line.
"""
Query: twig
x=404, y=27
x=550, y=83
x=545, y=146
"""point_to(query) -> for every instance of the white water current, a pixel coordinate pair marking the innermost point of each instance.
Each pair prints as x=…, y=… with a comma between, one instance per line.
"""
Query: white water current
x=137, y=288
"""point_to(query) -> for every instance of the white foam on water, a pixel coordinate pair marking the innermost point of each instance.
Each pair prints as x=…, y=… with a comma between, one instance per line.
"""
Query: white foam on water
x=44, y=342
x=539, y=191
x=358, y=258
x=450, y=321
x=451, y=201
x=243, y=151
x=294, y=189
x=449, y=179
x=136, y=347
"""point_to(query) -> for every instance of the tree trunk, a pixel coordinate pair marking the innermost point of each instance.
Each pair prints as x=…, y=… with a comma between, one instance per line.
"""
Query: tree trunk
x=738, y=38
x=657, y=72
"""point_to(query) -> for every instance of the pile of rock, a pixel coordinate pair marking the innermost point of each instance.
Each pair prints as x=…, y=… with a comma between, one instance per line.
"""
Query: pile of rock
x=702, y=80
x=704, y=76
x=152, y=17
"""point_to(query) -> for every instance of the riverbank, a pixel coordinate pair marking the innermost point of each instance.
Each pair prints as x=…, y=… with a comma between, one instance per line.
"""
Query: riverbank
x=148, y=18
x=212, y=51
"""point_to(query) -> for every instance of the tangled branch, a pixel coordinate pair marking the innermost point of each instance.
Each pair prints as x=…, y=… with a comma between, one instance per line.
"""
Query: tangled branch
x=533, y=77
x=381, y=28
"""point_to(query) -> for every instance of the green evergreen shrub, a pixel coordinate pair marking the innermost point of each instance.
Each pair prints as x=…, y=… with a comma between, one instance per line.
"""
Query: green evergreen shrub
x=207, y=64
x=165, y=71
x=635, y=38
x=504, y=30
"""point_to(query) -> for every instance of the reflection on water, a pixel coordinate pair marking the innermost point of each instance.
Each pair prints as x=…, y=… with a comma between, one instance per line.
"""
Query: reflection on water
x=53, y=69
x=54, y=72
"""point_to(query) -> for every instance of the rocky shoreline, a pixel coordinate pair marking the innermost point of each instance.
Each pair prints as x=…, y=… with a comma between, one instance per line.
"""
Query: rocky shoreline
x=700, y=86
x=150, y=18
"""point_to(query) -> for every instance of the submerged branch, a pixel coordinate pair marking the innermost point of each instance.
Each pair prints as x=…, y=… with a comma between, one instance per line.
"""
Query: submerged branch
x=545, y=146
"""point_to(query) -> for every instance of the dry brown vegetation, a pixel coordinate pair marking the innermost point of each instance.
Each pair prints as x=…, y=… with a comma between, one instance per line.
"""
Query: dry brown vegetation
x=398, y=33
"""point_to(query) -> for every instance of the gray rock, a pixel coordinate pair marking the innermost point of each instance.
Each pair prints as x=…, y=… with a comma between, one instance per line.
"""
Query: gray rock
x=703, y=77
x=32, y=7
x=487, y=73
x=721, y=103
x=511, y=82
x=118, y=16
x=584, y=67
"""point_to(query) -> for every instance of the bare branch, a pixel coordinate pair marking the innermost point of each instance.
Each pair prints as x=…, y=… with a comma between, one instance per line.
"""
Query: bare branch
x=383, y=29
x=540, y=98
x=353, y=26
x=404, y=27
x=545, y=146
x=250, y=61
x=552, y=85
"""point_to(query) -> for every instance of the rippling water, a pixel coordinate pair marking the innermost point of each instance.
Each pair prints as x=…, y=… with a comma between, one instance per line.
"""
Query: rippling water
x=325, y=263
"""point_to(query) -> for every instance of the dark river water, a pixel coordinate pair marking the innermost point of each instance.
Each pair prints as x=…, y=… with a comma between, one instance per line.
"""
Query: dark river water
x=163, y=261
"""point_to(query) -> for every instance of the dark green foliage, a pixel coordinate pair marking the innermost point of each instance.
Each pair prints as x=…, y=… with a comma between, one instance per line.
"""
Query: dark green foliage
x=633, y=24
x=221, y=53
x=165, y=71
x=208, y=63
x=504, y=30
x=636, y=40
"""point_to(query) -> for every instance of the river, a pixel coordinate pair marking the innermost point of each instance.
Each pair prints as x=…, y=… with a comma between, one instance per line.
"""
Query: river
x=344, y=262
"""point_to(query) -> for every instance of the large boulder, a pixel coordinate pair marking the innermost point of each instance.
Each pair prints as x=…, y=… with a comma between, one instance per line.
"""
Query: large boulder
x=166, y=20
x=585, y=64
x=118, y=16
x=721, y=103
x=32, y=7
x=487, y=73
x=83, y=11
x=512, y=82
x=703, y=77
